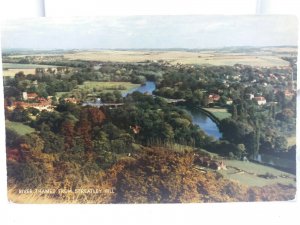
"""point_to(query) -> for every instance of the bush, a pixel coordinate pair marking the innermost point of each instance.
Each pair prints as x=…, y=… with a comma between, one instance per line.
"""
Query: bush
x=28, y=175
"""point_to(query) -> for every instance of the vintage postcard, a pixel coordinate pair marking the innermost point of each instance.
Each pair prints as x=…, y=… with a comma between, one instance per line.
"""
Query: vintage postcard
x=150, y=109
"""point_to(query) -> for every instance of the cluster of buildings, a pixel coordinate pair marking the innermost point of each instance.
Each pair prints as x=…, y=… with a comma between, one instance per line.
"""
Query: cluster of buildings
x=72, y=100
x=213, y=98
x=260, y=100
x=31, y=100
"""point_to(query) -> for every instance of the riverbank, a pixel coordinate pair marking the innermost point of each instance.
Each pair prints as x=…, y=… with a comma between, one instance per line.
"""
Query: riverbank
x=206, y=119
x=219, y=112
x=209, y=114
x=256, y=174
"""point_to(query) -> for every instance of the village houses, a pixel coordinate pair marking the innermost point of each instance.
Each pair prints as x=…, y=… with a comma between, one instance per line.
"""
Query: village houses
x=31, y=100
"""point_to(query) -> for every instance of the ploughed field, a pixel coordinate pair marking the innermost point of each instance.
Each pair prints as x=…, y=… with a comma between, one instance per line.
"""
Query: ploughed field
x=265, y=57
x=183, y=57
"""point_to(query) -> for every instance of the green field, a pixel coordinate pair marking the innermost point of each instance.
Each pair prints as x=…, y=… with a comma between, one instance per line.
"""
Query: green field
x=60, y=94
x=19, y=128
x=97, y=86
x=220, y=113
x=10, y=69
x=248, y=173
x=108, y=86
x=24, y=66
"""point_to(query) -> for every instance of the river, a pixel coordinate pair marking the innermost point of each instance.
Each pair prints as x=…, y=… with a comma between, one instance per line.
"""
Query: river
x=149, y=87
x=211, y=129
x=198, y=117
x=205, y=123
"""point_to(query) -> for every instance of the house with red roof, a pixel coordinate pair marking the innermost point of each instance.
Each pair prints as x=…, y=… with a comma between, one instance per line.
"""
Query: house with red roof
x=213, y=98
x=260, y=100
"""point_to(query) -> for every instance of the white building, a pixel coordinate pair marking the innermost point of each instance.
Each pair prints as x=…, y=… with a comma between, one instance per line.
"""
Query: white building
x=260, y=100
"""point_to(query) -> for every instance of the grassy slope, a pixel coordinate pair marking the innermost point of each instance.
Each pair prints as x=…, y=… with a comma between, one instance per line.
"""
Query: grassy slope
x=247, y=173
x=157, y=175
x=19, y=128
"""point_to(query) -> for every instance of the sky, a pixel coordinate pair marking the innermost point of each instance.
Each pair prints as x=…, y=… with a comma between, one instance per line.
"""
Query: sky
x=136, y=32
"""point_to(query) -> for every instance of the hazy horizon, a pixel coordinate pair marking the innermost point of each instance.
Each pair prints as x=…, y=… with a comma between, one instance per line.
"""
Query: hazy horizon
x=148, y=49
x=149, y=32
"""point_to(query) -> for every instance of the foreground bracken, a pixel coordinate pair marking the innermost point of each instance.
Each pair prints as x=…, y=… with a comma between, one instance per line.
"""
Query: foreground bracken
x=152, y=175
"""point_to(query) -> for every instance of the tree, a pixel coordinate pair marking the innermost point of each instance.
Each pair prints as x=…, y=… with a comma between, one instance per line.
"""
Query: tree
x=118, y=95
x=52, y=119
x=69, y=107
x=241, y=150
x=20, y=76
x=198, y=96
x=33, y=111
x=118, y=146
x=235, y=131
x=280, y=144
x=286, y=115
x=68, y=131
x=280, y=97
x=52, y=142
x=20, y=114
x=257, y=141
x=12, y=91
x=112, y=131
x=272, y=111
x=96, y=116
x=12, y=137
x=34, y=142
x=234, y=112
x=167, y=132
x=84, y=131
x=101, y=142
x=27, y=174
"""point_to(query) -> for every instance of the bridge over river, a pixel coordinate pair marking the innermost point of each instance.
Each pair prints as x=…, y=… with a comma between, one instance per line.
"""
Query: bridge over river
x=98, y=104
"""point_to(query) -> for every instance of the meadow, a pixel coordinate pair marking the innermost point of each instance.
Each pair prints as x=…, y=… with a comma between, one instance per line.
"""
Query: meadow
x=24, y=66
x=108, y=86
x=251, y=174
x=95, y=86
x=220, y=113
x=10, y=69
